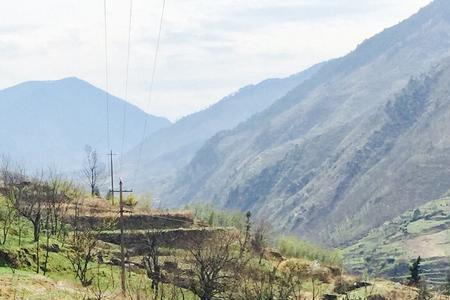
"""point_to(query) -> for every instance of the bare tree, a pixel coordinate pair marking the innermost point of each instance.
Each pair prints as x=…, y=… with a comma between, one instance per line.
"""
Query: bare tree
x=11, y=175
x=93, y=169
x=214, y=264
x=258, y=283
x=30, y=203
x=7, y=217
x=84, y=241
x=48, y=232
x=12, y=183
x=283, y=281
x=7, y=211
x=61, y=193
x=99, y=289
x=259, y=239
x=151, y=262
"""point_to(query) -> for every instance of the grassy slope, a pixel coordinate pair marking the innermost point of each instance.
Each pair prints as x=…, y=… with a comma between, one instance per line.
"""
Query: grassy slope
x=23, y=282
x=389, y=249
x=60, y=283
x=28, y=285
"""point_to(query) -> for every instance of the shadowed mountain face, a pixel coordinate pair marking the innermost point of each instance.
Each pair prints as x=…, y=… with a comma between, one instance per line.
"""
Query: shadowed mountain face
x=47, y=124
x=173, y=147
x=356, y=144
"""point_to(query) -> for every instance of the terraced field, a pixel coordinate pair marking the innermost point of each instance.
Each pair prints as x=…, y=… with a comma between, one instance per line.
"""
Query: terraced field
x=389, y=249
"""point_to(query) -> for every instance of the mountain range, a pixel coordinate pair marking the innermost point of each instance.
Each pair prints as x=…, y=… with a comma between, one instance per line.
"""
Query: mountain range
x=362, y=140
x=170, y=149
x=327, y=154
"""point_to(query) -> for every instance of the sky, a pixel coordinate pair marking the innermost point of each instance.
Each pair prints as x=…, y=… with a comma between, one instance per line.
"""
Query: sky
x=209, y=48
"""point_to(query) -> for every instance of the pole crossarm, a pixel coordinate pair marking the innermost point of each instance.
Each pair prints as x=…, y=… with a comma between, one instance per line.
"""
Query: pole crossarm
x=124, y=191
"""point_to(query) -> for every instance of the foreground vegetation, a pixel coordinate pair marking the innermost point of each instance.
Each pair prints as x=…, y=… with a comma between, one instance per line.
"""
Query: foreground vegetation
x=57, y=242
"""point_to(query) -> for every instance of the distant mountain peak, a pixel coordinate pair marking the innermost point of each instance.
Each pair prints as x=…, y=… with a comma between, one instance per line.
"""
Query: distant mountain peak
x=69, y=81
x=50, y=121
x=72, y=79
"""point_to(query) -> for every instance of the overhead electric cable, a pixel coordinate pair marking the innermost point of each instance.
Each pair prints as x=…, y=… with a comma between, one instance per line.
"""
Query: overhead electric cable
x=125, y=105
x=106, y=76
x=150, y=92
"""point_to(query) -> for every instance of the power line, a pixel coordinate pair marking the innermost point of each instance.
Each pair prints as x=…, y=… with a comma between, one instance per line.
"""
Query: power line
x=150, y=92
x=106, y=75
x=126, y=87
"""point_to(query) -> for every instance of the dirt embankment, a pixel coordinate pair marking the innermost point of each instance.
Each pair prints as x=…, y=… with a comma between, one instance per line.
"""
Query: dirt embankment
x=137, y=241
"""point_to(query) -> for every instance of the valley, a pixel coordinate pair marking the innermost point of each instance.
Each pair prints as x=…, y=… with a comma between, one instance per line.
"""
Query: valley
x=332, y=183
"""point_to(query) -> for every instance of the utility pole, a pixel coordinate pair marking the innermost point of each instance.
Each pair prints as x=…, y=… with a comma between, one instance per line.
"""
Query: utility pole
x=111, y=169
x=122, y=247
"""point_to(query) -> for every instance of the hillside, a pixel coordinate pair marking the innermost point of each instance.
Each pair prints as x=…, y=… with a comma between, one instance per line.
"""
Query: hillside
x=164, y=262
x=49, y=123
x=355, y=145
x=389, y=249
x=173, y=147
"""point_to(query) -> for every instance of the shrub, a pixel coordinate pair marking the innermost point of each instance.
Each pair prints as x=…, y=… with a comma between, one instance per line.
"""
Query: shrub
x=131, y=201
x=293, y=247
x=218, y=218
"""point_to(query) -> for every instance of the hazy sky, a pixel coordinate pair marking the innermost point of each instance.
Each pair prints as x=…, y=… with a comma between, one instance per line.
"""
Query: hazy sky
x=209, y=48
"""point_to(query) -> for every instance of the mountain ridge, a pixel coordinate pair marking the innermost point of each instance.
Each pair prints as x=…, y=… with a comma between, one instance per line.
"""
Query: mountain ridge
x=50, y=122
x=282, y=163
x=169, y=149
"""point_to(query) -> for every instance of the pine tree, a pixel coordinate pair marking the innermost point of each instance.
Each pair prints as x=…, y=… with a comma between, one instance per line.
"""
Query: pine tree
x=414, y=269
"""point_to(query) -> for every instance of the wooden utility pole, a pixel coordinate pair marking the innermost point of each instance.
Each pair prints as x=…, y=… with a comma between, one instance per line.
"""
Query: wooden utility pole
x=111, y=169
x=122, y=246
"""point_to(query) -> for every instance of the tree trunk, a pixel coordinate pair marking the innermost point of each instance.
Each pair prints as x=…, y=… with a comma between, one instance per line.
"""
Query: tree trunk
x=5, y=234
x=38, y=264
x=36, y=229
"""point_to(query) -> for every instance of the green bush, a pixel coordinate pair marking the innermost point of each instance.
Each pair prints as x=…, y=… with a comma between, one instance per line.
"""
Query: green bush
x=293, y=247
x=218, y=218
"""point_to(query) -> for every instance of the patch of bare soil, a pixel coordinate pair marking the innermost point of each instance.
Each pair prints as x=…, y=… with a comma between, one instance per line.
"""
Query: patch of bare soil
x=427, y=246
